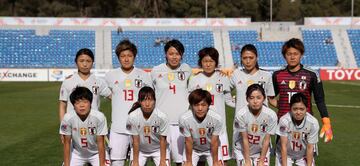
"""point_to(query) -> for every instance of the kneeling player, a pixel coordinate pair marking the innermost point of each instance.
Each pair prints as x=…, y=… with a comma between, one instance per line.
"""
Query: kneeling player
x=201, y=128
x=86, y=129
x=253, y=126
x=298, y=131
x=149, y=128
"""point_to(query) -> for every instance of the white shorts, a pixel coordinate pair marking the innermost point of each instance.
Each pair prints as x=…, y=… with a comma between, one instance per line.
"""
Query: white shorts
x=76, y=160
x=254, y=158
x=143, y=157
x=119, y=144
x=299, y=162
x=202, y=156
x=176, y=143
x=224, y=142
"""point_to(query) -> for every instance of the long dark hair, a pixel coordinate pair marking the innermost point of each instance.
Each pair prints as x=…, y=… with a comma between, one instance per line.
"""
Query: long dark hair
x=253, y=88
x=144, y=93
x=251, y=48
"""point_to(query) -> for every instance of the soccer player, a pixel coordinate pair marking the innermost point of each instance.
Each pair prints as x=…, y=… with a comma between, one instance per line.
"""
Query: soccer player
x=201, y=128
x=84, y=60
x=125, y=83
x=84, y=130
x=170, y=81
x=250, y=74
x=148, y=127
x=219, y=88
x=255, y=123
x=295, y=78
x=298, y=131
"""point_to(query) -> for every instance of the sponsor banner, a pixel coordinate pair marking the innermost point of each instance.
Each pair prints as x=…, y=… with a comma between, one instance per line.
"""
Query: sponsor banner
x=60, y=74
x=23, y=74
x=108, y=22
x=340, y=74
x=332, y=21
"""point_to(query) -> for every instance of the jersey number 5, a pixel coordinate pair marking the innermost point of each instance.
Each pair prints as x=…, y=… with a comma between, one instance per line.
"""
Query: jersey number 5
x=84, y=143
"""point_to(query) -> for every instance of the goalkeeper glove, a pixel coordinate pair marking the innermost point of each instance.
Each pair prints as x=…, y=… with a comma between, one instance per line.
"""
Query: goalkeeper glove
x=326, y=130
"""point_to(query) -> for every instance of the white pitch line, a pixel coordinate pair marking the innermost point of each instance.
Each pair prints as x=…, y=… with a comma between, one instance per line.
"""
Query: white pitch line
x=342, y=106
x=347, y=83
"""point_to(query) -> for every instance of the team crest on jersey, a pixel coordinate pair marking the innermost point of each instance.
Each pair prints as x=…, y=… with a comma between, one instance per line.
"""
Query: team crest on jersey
x=210, y=130
x=171, y=76
x=147, y=130
x=296, y=135
x=263, y=126
x=92, y=130
x=302, y=85
x=63, y=127
x=254, y=128
x=250, y=82
x=208, y=87
x=262, y=84
x=127, y=83
x=202, y=131
x=181, y=75
x=155, y=129
x=95, y=89
x=292, y=84
x=138, y=83
x=219, y=88
x=83, y=131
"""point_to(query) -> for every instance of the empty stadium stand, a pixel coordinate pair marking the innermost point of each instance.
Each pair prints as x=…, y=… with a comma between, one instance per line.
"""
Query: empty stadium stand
x=354, y=36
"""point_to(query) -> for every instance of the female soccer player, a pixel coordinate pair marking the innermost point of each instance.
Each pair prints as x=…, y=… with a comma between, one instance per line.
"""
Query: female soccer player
x=253, y=126
x=148, y=127
x=250, y=74
x=296, y=78
x=125, y=83
x=170, y=81
x=298, y=131
x=84, y=130
x=201, y=128
x=84, y=60
x=219, y=88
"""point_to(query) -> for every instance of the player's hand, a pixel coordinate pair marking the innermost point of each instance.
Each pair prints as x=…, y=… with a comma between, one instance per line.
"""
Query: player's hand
x=247, y=163
x=62, y=137
x=187, y=163
x=226, y=71
x=196, y=70
x=326, y=130
x=260, y=163
x=162, y=163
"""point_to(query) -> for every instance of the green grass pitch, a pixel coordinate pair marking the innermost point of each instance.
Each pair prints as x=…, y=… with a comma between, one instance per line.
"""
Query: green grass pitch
x=29, y=124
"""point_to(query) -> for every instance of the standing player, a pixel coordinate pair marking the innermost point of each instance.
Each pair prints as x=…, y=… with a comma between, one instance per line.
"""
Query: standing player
x=255, y=123
x=170, y=81
x=296, y=78
x=298, y=131
x=84, y=130
x=219, y=88
x=148, y=127
x=250, y=74
x=84, y=60
x=125, y=83
x=201, y=128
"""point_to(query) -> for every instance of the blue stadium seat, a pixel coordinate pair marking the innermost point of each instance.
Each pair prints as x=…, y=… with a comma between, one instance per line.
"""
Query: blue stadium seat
x=354, y=36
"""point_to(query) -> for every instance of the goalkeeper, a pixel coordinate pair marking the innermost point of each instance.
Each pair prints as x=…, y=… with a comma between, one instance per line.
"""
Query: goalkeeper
x=294, y=78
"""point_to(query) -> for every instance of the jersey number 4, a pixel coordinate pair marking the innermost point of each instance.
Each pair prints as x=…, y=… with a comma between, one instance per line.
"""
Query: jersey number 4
x=128, y=95
x=173, y=88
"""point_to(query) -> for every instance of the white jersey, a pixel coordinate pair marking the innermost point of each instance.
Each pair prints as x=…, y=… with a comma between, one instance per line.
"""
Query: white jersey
x=201, y=132
x=171, y=87
x=96, y=85
x=256, y=127
x=219, y=88
x=125, y=88
x=298, y=136
x=242, y=80
x=84, y=133
x=148, y=130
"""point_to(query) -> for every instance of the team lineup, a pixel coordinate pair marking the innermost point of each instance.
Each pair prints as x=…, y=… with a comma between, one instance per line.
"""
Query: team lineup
x=173, y=114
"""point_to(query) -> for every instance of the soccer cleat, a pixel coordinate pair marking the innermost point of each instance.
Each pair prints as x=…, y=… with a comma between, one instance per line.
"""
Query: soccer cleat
x=326, y=130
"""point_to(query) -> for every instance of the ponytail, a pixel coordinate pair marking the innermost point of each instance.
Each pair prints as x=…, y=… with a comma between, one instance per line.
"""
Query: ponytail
x=135, y=106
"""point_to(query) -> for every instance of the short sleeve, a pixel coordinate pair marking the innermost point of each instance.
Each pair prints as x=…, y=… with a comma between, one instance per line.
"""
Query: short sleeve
x=313, y=137
x=63, y=96
x=65, y=127
x=104, y=88
x=282, y=128
x=131, y=126
x=240, y=123
x=102, y=126
x=272, y=125
x=184, y=129
x=164, y=127
x=270, y=87
x=218, y=128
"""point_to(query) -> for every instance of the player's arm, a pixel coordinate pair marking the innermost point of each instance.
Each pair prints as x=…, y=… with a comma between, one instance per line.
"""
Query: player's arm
x=188, y=150
x=136, y=149
x=319, y=97
x=264, y=149
x=246, y=148
x=229, y=100
x=214, y=147
x=283, y=143
x=62, y=109
x=309, y=154
x=163, y=144
x=274, y=101
x=67, y=142
x=101, y=148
